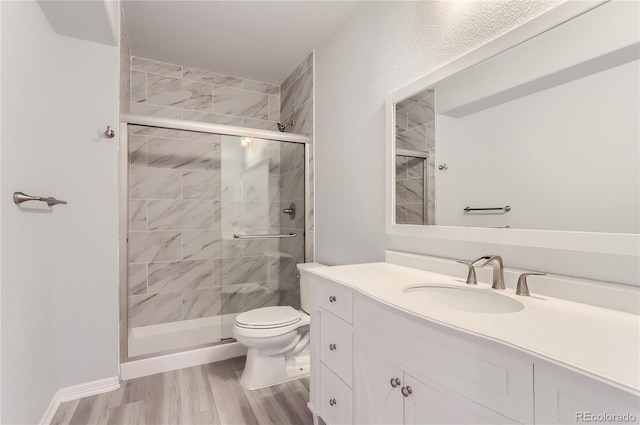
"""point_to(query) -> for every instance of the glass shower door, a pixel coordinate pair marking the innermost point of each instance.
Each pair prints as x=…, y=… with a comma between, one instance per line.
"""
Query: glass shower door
x=174, y=244
x=262, y=225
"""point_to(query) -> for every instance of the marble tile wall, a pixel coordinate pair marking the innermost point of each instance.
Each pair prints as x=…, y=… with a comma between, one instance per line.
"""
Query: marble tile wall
x=297, y=105
x=292, y=166
x=415, y=130
x=174, y=225
x=189, y=194
x=175, y=91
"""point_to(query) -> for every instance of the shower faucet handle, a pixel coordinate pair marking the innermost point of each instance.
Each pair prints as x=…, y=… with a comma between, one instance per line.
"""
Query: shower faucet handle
x=291, y=210
x=471, y=273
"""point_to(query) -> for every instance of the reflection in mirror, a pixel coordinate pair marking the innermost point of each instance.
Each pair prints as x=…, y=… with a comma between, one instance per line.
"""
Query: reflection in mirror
x=542, y=136
x=415, y=152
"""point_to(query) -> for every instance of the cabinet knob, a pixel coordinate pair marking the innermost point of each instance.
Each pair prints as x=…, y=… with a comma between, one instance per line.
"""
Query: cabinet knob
x=406, y=391
x=333, y=402
x=332, y=298
x=395, y=382
x=332, y=347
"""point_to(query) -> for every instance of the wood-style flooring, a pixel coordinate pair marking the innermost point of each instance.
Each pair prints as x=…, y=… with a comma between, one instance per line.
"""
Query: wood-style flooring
x=208, y=394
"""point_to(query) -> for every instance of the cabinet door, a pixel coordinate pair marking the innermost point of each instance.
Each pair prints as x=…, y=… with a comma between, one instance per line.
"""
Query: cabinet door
x=489, y=374
x=567, y=397
x=429, y=404
x=378, y=401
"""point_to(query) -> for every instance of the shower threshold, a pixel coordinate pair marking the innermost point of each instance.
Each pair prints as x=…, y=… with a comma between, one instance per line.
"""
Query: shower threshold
x=144, y=340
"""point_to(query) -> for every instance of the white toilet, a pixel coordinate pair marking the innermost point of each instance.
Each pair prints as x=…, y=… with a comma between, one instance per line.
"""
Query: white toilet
x=277, y=339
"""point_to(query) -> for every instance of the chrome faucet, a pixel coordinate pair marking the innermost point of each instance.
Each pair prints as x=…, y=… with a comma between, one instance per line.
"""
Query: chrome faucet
x=498, y=269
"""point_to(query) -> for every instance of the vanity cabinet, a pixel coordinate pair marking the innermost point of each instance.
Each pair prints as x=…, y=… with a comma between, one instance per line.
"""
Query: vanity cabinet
x=444, y=378
x=385, y=394
x=373, y=363
x=333, y=350
x=566, y=397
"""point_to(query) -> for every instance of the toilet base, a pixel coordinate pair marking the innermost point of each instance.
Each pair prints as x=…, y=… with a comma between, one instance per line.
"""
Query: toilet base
x=262, y=370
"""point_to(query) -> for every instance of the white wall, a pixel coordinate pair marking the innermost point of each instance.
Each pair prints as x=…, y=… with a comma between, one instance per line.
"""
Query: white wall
x=382, y=47
x=565, y=158
x=59, y=289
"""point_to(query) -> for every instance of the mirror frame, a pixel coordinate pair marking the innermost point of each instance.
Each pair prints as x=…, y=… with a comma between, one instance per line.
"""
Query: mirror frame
x=592, y=242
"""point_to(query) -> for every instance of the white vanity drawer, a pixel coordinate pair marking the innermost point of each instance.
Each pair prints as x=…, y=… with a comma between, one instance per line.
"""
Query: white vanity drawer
x=336, y=298
x=336, y=346
x=336, y=399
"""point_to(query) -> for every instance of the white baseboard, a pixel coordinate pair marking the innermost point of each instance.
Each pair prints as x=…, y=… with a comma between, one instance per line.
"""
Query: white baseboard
x=145, y=367
x=174, y=361
x=76, y=392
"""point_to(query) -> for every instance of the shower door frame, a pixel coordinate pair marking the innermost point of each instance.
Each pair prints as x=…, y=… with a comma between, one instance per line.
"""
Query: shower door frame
x=123, y=203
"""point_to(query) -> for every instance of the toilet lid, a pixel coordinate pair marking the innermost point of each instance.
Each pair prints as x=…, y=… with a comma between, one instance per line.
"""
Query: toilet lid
x=268, y=317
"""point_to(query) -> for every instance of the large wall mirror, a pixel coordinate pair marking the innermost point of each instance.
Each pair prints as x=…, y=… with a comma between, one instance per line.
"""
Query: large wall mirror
x=544, y=135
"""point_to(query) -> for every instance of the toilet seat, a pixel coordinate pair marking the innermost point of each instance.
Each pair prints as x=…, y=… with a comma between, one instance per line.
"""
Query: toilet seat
x=270, y=331
x=268, y=317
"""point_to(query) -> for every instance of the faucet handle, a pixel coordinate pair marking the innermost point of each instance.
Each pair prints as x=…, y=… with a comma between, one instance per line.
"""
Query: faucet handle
x=471, y=274
x=523, y=288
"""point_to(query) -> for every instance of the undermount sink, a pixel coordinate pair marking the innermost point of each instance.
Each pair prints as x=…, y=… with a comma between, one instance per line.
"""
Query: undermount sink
x=464, y=299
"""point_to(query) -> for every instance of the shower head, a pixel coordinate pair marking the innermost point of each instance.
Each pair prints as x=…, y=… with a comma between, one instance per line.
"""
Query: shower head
x=283, y=127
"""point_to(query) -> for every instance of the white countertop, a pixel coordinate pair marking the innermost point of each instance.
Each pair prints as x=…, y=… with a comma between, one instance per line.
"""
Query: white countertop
x=602, y=343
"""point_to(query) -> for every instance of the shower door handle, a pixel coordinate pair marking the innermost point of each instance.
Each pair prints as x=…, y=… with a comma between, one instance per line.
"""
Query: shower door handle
x=265, y=236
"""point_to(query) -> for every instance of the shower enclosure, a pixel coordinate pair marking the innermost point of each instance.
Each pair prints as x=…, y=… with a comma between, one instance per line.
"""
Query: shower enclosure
x=415, y=159
x=215, y=226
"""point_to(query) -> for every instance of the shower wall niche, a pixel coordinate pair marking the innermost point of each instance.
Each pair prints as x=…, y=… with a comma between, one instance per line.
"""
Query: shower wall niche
x=189, y=194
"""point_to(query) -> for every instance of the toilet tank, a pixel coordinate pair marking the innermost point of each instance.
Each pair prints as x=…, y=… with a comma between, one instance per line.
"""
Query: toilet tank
x=305, y=284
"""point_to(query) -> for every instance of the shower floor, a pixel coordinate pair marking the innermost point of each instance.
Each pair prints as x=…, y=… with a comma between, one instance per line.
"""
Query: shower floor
x=150, y=339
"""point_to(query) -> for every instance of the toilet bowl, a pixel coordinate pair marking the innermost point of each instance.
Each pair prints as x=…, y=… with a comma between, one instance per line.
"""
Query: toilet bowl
x=277, y=340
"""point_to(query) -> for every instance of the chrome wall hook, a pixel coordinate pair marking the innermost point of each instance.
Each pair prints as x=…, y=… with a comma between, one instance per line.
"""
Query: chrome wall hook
x=109, y=132
x=443, y=167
